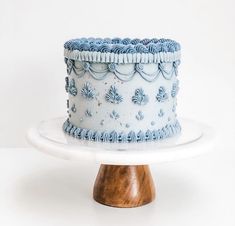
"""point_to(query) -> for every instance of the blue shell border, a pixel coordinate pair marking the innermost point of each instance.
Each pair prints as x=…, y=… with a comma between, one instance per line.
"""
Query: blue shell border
x=120, y=137
x=126, y=45
x=122, y=50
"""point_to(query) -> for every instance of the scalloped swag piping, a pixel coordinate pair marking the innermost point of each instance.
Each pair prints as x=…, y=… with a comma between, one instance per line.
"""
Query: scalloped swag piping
x=114, y=137
x=82, y=67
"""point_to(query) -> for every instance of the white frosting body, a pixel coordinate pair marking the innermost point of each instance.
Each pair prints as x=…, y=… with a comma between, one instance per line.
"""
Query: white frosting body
x=127, y=111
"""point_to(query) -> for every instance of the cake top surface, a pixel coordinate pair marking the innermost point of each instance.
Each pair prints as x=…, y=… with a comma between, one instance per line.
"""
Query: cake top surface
x=126, y=45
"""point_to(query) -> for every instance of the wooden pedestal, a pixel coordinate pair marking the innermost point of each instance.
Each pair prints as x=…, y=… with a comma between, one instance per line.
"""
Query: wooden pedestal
x=124, y=186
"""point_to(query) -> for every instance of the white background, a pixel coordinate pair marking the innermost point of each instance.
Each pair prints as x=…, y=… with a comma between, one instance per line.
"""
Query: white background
x=32, y=72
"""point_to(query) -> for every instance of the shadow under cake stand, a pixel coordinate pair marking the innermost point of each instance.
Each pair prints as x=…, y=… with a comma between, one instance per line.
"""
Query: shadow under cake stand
x=124, y=178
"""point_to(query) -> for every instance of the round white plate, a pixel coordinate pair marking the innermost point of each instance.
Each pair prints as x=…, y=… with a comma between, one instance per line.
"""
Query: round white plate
x=195, y=138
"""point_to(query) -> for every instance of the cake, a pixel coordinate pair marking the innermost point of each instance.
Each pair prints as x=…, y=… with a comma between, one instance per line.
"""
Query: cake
x=122, y=90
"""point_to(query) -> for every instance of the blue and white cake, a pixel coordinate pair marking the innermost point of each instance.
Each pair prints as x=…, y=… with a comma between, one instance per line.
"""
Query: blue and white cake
x=122, y=90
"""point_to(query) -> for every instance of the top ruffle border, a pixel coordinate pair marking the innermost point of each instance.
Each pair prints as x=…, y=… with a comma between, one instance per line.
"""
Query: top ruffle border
x=122, y=50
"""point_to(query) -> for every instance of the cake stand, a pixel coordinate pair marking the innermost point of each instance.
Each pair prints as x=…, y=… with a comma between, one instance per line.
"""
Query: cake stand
x=124, y=178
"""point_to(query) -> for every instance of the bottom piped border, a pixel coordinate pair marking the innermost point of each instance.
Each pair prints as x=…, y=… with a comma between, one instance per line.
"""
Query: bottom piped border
x=120, y=137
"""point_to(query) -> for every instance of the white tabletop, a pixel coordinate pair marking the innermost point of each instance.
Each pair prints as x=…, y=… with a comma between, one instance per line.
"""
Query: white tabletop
x=195, y=138
x=36, y=189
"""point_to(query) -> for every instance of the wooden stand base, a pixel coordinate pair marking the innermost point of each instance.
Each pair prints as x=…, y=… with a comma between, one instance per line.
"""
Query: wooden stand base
x=124, y=186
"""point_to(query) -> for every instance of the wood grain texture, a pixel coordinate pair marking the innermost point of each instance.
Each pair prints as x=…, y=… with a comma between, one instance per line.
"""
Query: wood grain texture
x=124, y=186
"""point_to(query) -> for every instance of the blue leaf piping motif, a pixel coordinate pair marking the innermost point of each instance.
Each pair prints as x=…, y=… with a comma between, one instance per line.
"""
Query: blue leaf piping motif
x=127, y=125
x=112, y=96
x=161, y=113
x=87, y=91
x=140, y=98
x=142, y=136
x=73, y=108
x=72, y=88
x=161, y=95
x=175, y=89
x=139, y=116
x=88, y=113
x=114, y=115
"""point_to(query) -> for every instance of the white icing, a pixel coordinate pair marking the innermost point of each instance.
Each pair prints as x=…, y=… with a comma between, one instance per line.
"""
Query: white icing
x=127, y=110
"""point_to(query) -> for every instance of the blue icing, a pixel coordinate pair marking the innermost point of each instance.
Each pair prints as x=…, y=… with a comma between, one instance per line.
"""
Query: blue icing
x=112, y=67
x=72, y=88
x=104, y=48
x=83, y=134
x=140, y=136
x=84, y=47
x=88, y=113
x=86, y=66
x=139, y=67
x=140, y=98
x=161, y=95
x=126, y=45
x=131, y=137
x=66, y=84
x=77, y=133
x=140, y=115
x=127, y=125
x=113, y=136
x=70, y=65
x=148, y=135
x=105, y=137
x=118, y=49
x=114, y=115
x=161, y=113
x=73, y=108
x=94, y=48
x=152, y=48
x=145, y=41
x=116, y=40
x=175, y=66
x=96, y=136
x=140, y=48
x=130, y=49
x=113, y=96
x=90, y=134
x=87, y=91
x=126, y=41
x=175, y=89
x=135, y=41
x=72, y=130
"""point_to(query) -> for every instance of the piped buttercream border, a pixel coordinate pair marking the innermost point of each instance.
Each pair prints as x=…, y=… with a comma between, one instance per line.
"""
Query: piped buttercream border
x=114, y=137
x=125, y=58
x=125, y=50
